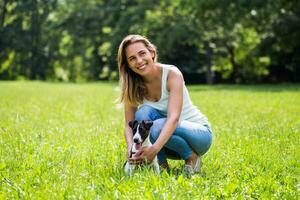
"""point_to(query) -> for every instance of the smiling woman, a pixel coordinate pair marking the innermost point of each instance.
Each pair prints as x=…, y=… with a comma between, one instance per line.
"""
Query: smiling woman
x=133, y=87
x=140, y=59
x=157, y=92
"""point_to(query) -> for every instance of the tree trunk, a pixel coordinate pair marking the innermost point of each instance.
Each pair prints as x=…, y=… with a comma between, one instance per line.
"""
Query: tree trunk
x=235, y=66
x=98, y=63
x=208, y=60
x=36, y=72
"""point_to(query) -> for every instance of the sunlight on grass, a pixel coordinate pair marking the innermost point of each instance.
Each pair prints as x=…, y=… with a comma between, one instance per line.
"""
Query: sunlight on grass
x=66, y=141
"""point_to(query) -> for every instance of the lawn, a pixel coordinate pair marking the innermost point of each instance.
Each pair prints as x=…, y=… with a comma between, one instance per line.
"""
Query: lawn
x=66, y=141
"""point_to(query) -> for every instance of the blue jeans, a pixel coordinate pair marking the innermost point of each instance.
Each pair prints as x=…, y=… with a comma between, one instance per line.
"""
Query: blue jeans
x=187, y=137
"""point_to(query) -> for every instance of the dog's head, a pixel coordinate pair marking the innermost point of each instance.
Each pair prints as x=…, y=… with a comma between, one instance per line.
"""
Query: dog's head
x=140, y=130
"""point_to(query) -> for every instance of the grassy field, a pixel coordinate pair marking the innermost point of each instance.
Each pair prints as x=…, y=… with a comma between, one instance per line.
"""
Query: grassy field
x=66, y=141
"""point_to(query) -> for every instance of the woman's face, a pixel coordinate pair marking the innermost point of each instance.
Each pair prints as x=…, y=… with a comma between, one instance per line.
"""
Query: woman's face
x=139, y=58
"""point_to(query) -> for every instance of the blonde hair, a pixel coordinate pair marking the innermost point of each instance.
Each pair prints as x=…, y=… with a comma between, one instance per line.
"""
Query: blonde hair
x=132, y=85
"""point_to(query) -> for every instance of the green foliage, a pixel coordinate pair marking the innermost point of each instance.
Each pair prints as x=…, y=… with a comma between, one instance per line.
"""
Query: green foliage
x=223, y=41
x=67, y=141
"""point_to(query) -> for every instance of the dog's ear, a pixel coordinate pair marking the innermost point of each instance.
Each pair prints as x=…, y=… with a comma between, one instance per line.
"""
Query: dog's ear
x=147, y=124
x=132, y=123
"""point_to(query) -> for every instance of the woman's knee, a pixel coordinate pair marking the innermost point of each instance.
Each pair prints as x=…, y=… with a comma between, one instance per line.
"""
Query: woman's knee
x=209, y=142
x=197, y=136
x=146, y=112
x=156, y=129
x=205, y=144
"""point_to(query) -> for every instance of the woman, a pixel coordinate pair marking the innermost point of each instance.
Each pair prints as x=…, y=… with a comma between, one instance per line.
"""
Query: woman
x=157, y=92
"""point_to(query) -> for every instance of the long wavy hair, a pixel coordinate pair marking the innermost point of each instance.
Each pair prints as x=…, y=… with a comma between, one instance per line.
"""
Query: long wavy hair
x=133, y=88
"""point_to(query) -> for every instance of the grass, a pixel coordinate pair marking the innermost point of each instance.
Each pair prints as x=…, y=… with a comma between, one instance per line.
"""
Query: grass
x=66, y=141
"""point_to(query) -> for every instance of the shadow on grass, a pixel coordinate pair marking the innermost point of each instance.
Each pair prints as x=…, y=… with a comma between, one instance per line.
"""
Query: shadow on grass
x=174, y=172
x=178, y=171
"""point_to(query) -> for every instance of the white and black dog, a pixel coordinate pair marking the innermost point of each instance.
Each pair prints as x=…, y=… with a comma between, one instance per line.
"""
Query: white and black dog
x=141, y=139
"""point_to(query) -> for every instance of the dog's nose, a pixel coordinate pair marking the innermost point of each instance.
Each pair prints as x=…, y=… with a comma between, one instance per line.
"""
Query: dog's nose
x=136, y=140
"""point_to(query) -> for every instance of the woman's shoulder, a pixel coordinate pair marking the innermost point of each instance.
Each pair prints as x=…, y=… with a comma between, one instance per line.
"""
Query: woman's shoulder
x=167, y=65
x=173, y=71
x=171, y=68
x=173, y=74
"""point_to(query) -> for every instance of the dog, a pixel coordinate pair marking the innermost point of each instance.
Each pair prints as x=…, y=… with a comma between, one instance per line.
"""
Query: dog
x=141, y=139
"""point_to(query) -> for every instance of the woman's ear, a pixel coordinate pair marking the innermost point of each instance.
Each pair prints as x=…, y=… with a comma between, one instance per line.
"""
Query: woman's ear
x=152, y=55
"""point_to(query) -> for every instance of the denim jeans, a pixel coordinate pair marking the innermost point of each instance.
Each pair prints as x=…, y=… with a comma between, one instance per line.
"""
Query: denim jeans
x=187, y=137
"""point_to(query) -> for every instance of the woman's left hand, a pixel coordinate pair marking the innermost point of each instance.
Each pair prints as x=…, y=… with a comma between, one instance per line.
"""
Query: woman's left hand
x=146, y=155
x=149, y=154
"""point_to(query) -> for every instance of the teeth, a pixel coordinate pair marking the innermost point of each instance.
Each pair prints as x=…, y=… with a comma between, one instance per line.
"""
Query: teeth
x=143, y=66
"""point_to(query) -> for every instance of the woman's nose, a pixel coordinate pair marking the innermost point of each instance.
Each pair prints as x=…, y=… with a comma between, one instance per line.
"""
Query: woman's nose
x=139, y=59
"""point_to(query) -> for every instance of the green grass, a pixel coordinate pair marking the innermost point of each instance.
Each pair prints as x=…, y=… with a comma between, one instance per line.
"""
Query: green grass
x=66, y=141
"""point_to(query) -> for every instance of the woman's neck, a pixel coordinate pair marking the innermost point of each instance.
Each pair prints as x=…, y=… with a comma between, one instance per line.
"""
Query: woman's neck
x=155, y=74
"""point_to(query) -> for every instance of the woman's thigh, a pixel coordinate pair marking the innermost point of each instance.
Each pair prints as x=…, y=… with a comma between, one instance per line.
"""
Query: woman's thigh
x=147, y=112
x=199, y=137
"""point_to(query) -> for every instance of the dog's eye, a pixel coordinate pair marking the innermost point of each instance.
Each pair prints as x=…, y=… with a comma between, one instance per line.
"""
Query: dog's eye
x=142, y=130
x=134, y=130
x=144, y=133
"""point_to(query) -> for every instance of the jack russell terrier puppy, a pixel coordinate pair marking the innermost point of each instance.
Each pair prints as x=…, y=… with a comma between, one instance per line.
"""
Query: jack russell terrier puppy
x=141, y=139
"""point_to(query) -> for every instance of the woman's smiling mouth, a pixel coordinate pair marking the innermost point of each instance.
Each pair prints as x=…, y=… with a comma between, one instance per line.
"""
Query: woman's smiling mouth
x=142, y=67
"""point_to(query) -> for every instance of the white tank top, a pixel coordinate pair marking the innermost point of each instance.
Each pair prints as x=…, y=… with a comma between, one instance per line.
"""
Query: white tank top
x=189, y=112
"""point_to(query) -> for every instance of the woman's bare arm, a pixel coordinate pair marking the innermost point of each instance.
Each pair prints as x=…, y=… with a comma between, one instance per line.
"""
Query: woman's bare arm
x=129, y=115
x=175, y=87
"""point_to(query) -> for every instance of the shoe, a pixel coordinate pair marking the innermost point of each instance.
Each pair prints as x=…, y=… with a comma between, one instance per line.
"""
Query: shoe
x=189, y=170
x=198, y=164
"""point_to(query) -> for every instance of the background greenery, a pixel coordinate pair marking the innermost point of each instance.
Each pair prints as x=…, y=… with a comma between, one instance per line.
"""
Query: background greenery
x=66, y=141
x=210, y=41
